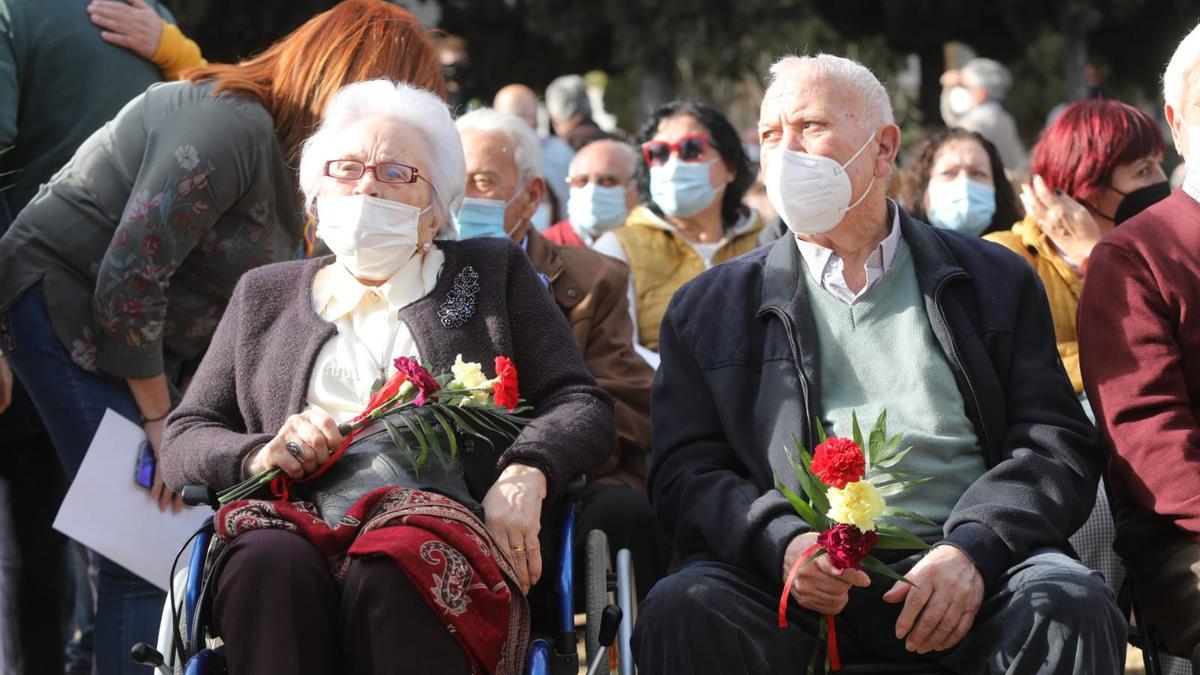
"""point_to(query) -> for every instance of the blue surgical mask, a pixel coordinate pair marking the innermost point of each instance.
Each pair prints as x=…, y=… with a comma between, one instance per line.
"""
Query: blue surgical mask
x=481, y=218
x=682, y=188
x=541, y=217
x=594, y=209
x=962, y=204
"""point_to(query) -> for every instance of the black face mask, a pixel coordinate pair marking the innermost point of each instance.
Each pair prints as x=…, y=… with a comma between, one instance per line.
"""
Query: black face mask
x=1139, y=200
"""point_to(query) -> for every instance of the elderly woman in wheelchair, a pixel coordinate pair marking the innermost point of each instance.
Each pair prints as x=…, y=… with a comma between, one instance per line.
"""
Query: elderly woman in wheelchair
x=370, y=564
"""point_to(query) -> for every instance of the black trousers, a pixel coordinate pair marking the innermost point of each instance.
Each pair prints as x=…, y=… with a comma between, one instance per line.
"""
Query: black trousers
x=1047, y=615
x=279, y=610
x=38, y=485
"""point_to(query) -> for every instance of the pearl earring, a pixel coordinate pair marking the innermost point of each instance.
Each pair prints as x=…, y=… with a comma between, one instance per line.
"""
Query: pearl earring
x=426, y=246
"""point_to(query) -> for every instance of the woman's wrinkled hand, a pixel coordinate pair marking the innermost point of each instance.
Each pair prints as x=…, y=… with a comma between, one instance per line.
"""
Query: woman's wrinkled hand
x=1068, y=223
x=513, y=507
x=305, y=442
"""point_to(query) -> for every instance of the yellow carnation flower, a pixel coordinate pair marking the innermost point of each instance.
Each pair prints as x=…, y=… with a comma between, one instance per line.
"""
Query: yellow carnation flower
x=857, y=504
x=468, y=375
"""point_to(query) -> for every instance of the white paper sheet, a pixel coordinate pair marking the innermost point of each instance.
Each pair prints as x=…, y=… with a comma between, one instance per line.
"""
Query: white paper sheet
x=109, y=513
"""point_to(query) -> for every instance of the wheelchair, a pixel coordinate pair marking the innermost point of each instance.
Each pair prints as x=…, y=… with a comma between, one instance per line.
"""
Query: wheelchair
x=187, y=645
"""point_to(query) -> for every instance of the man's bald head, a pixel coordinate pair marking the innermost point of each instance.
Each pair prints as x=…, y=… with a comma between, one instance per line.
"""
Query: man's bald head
x=605, y=156
x=519, y=100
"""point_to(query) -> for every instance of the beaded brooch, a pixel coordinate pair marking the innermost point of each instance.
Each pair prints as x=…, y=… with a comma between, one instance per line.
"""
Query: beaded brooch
x=459, y=305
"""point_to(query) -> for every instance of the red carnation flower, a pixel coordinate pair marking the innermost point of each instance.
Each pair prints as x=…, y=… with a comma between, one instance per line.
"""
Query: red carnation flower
x=421, y=379
x=846, y=545
x=839, y=461
x=504, y=393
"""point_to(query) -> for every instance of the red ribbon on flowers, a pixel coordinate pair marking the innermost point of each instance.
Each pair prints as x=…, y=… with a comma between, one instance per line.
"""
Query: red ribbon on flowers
x=835, y=659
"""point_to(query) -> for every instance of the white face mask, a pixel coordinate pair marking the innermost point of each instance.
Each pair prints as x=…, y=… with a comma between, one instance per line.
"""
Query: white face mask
x=811, y=192
x=371, y=237
x=960, y=101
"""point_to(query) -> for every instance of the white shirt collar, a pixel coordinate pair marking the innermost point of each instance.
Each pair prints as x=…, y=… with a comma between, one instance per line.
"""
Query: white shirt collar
x=337, y=293
x=826, y=267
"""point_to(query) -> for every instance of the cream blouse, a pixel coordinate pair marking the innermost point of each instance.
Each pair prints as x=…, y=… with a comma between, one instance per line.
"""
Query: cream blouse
x=370, y=334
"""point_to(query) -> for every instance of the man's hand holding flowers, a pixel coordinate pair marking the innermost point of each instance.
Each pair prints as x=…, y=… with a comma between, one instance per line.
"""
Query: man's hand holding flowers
x=818, y=586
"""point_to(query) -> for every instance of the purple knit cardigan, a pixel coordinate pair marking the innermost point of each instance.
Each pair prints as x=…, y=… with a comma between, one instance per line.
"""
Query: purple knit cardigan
x=257, y=369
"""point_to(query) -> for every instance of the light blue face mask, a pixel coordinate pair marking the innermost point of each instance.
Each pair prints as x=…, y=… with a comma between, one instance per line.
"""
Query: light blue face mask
x=682, y=188
x=962, y=204
x=481, y=218
x=595, y=209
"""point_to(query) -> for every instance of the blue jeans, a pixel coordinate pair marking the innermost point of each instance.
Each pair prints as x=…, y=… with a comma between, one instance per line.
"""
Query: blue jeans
x=71, y=402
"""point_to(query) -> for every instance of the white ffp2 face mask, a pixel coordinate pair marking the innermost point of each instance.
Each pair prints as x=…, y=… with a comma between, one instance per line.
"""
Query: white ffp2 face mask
x=811, y=192
x=371, y=237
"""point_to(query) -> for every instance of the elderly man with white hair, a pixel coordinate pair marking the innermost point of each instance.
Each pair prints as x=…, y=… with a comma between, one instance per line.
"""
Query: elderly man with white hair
x=972, y=99
x=503, y=186
x=864, y=310
x=1139, y=339
x=603, y=192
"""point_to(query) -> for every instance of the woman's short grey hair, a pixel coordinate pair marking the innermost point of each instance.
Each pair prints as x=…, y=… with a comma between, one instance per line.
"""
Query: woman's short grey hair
x=444, y=168
x=527, y=149
x=991, y=75
x=567, y=97
x=1186, y=57
x=878, y=110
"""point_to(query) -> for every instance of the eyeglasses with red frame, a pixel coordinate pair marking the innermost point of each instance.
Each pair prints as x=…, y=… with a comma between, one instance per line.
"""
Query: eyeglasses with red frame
x=689, y=148
x=385, y=172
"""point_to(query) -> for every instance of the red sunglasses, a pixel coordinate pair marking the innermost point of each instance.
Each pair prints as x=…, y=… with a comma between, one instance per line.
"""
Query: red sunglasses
x=690, y=148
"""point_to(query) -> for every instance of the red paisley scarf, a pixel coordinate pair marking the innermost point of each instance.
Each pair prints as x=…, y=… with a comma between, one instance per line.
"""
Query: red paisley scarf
x=445, y=551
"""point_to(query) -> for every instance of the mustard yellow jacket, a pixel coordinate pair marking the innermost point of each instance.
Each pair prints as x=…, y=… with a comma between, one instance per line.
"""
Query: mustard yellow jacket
x=1063, y=286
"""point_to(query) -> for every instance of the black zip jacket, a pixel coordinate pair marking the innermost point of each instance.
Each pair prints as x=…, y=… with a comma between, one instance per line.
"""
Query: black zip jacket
x=739, y=377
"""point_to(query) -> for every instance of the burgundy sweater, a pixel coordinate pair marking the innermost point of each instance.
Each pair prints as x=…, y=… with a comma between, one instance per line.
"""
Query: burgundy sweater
x=1139, y=348
x=257, y=369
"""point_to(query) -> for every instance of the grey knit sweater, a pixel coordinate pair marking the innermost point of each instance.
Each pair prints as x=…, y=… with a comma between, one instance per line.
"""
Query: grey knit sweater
x=256, y=372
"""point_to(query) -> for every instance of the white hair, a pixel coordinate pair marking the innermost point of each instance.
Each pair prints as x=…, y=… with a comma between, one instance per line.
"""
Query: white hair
x=1186, y=57
x=444, y=168
x=991, y=75
x=878, y=110
x=567, y=97
x=527, y=150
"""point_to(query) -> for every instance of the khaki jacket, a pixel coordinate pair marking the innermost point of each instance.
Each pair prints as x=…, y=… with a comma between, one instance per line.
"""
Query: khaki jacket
x=1063, y=286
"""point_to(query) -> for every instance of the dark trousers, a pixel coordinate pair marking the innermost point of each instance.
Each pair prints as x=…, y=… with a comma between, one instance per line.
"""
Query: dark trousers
x=38, y=485
x=1048, y=614
x=71, y=402
x=625, y=516
x=1165, y=572
x=279, y=610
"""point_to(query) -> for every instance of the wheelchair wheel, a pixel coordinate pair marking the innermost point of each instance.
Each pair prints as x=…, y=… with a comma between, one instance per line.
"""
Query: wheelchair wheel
x=597, y=572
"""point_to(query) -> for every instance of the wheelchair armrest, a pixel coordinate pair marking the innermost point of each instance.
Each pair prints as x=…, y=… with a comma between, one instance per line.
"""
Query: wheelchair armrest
x=574, y=487
x=198, y=495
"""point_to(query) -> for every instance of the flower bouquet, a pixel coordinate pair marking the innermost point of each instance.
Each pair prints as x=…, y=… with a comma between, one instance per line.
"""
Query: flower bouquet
x=420, y=417
x=845, y=482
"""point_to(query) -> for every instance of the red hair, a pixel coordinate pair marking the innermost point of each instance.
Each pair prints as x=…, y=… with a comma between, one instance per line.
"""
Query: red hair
x=1090, y=139
x=295, y=78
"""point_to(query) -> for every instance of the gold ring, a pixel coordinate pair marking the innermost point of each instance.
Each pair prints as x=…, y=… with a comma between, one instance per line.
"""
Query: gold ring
x=519, y=548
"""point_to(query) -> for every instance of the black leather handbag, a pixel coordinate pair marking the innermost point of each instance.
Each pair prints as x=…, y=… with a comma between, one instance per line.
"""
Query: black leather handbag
x=374, y=460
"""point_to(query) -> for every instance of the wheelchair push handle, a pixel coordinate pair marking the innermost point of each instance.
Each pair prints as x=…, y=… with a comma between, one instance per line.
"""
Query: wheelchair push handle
x=610, y=621
x=145, y=655
x=200, y=495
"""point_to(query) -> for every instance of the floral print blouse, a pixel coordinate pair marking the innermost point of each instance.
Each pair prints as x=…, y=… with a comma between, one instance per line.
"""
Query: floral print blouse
x=141, y=237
